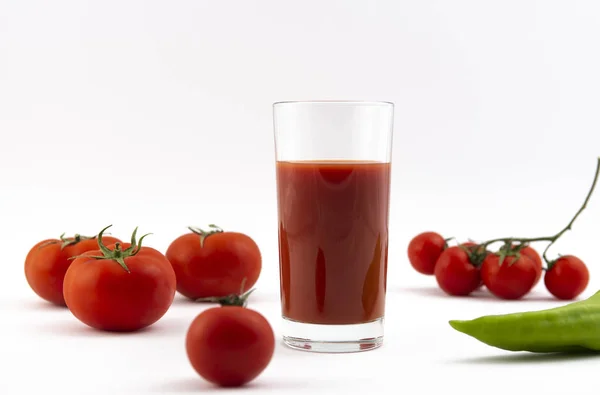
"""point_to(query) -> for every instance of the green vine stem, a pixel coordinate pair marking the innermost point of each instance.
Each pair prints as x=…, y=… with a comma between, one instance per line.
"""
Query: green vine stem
x=205, y=233
x=509, y=249
x=240, y=299
x=119, y=254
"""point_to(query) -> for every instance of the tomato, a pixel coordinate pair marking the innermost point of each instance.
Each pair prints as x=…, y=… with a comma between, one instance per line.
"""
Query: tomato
x=511, y=280
x=120, y=287
x=455, y=274
x=214, y=263
x=535, y=257
x=424, y=251
x=230, y=345
x=47, y=262
x=567, y=277
x=472, y=244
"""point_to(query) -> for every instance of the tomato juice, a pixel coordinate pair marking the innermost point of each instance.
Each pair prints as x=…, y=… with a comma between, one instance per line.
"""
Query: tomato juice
x=333, y=240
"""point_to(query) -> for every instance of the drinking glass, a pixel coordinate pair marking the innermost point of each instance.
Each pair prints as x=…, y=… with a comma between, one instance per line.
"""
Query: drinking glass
x=333, y=164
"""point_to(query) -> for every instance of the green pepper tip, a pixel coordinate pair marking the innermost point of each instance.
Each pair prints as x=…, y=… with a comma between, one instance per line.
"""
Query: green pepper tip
x=457, y=324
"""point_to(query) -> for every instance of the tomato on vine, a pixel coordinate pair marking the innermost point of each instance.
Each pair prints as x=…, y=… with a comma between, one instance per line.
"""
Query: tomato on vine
x=509, y=272
x=532, y=254
x=516, y=268
x=472, y=248
x=510, y=278
x=567, y=277
x=455, y=273
x=424, y=251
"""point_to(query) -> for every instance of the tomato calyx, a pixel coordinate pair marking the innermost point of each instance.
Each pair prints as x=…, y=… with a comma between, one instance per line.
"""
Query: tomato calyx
x=509, y=249
x=550, y=264
x=73, y=240
x=446, y=241
x=119, y=254
x=67, y=241
x=229, y=300
x=477, y=253
x=205, y=233
x=240, y=299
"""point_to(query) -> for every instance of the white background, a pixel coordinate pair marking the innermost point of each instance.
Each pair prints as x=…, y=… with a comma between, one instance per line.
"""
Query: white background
x=158, y=114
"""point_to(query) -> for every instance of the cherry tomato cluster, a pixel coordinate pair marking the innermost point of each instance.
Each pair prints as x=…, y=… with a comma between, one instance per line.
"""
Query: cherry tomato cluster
x=510, y=272
x=118, y=286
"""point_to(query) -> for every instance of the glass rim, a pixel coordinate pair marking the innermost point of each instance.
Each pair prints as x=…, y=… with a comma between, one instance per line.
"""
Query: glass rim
x=337, y=102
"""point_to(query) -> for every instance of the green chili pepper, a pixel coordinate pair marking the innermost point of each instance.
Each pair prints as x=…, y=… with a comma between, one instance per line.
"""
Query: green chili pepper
x=573, y=327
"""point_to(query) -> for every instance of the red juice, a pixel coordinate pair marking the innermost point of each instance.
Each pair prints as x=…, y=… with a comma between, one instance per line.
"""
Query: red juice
x=333, y=239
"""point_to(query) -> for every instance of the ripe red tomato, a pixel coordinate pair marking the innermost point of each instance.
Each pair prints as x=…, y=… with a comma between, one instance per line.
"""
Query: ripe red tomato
x=424, y=251
x=472, y=244
x=567, y=278
x=511, y=280
x=120, y=287
x=230, y=345
x=535, y=257
x=47, y=262
x=214, y=263
x=455, y=274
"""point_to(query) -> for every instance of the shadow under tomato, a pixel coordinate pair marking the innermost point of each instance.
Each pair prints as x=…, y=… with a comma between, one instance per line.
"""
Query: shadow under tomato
x=481, y=294
x=259, y=385
x=532, y=297
x=256, y=297
x=530, y=358
x=37, y=306
x=70, y=328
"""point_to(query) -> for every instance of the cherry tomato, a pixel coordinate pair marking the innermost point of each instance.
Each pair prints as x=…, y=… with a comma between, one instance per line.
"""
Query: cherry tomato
x=472, y=244
x=47, y=262
x=567, y=278
x=214, y=263
x=535, y=257
x=229, y=346
x=455, y=274
x=120, y=287
x=424, y=251
x=511, y=280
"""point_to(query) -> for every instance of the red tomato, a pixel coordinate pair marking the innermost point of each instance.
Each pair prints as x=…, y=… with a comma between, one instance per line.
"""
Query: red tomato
x=455, y=274
x=120, y=287
x=567, y=278
x=47, y=262
x=472, y=244
x=511, y=280
x=215, y=263
x=230, y=346
x=535, y=257
x=424, y=251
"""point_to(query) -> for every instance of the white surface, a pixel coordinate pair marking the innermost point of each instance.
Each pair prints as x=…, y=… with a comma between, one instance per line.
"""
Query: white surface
x=158, y=114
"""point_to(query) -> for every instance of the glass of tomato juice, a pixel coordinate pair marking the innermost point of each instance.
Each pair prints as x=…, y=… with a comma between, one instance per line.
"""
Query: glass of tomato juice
x=333, y=165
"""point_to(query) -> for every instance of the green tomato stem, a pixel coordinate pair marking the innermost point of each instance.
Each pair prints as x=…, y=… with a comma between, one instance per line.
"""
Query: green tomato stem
x=119, y=254
x=205, y=233
x=554, y=238
x=240, y=299
x=67, y=241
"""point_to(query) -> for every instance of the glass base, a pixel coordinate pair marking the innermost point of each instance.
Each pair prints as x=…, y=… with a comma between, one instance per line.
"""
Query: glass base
x=333, y=338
